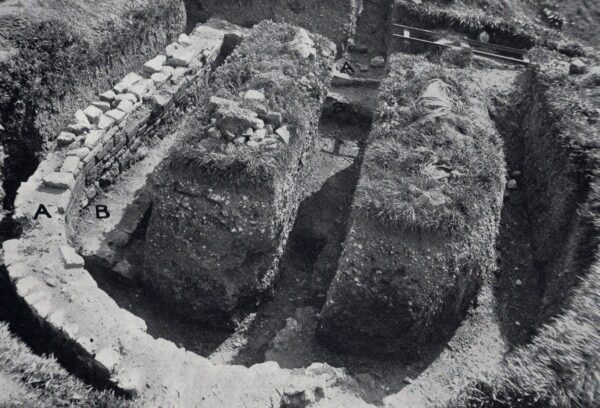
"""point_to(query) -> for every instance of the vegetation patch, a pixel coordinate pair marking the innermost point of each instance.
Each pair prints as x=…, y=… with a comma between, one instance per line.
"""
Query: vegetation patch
x=416, y=159
x=292, y=85
x=44, y=383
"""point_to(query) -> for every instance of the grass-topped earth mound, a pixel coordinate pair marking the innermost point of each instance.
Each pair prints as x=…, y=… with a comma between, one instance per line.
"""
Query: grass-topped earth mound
x=226, y=197
x=425, y=215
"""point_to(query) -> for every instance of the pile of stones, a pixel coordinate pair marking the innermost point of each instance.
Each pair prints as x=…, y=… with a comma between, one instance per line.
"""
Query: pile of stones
x=247, y=122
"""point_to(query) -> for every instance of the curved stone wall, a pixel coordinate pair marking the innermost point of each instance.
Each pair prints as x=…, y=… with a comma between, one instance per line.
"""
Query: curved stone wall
x=49, y=275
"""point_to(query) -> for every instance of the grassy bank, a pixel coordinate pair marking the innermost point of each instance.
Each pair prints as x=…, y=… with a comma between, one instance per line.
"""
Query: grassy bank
x=40, y=382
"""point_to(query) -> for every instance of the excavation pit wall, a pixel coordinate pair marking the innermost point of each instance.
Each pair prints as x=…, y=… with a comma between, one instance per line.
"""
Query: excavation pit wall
x=405, y=280
x=548, y=118
x=222, y=209
x=55, y=58
x=109, y=344
x=335, y=19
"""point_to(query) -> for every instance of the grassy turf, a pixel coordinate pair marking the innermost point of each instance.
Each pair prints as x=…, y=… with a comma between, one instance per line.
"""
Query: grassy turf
x=406, y=147
x=292, y=86
x=43, y=382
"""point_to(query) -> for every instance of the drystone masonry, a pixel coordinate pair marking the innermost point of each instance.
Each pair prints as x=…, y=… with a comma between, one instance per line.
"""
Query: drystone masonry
x=102, y=339
x=105, y=136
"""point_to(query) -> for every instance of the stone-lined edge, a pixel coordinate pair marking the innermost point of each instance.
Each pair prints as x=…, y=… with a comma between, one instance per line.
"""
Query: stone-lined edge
x=49, y=275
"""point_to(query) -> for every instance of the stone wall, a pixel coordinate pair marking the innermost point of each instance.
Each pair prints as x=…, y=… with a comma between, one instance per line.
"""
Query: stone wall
x=56, y=56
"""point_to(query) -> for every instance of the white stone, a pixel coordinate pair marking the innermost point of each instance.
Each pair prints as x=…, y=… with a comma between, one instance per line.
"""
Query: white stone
x=26, y=285
x=259, y=135
x=378, y=62
x=155, y=64
x=105, y=122
x=108, y=358
x=18, y=271
x=284, y=134
x=102, y=105
x=43, y=308
x=182, y=57
x=254, y=95
x=302, y=45
x=161, y=77
x=577, y=67
x=57, y=319
x=71, y=258
x=81, y=152
x=125, y=106
x=124, y=97
x=81, y=117
x=65, y=138
x=108, y=96
x=126, y=82
x=78, y=128
x=92, y=139
x=71, y=330
x=93, y=113
x=117, y=115
x=70, y=165
x=59, y=180
x=36, y=296
x=141, y=88
x=253, y=144
x=171, y=48
x=184, y=39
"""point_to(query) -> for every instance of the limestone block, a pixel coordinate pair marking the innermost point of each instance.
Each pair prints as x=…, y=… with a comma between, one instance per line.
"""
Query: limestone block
x=57, y=319
x=105, y=122
x=26, y=285
x=254, y=95
x=171, y=48
x=125, y=106
x=92, y=113
x=71, y=330
x=284, y=134
x=65, y=138
x=117, y=115
x=70, y=257
x=59, y=180
x=182, y=57
x=78, y=128
x=126, y=82
x=108, y=358
x=161, y=77
x=81, y=152
x=155, y=64
x=18, y=271
x=92, y=139
x=43, y=308
x=184, y=39
x=141, y=88
x=36, y=296
x=108, y=96
x=125, y=97
x=102, y=105
x=71, y=165
x=81, y=117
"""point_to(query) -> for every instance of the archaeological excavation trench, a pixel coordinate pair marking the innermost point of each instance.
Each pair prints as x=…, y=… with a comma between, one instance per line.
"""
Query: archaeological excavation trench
x=243, y=221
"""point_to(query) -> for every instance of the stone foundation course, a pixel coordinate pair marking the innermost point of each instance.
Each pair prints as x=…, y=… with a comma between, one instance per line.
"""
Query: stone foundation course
x=424, y=219
x=226, y=198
